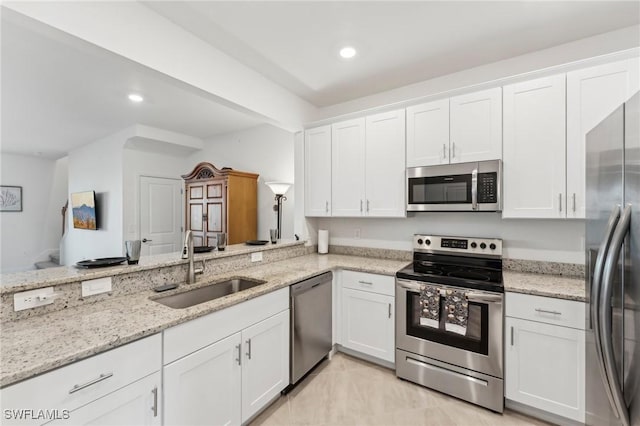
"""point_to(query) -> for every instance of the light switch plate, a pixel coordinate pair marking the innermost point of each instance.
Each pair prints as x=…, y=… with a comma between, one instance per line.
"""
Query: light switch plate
x=33, y=298
x=256, y=257
x=97, y=286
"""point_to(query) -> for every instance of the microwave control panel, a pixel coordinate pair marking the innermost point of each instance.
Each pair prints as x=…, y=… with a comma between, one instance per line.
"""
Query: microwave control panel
x=488, y=187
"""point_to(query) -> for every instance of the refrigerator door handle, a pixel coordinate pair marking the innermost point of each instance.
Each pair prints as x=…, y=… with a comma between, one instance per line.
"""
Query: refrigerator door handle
x=604, y=316
x=596, y=280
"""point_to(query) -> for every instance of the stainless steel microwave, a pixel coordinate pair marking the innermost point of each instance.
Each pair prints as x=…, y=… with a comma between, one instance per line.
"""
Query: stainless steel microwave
x=475, y=186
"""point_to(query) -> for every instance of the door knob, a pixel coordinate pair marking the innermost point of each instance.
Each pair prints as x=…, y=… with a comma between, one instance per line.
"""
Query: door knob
x=144, y=240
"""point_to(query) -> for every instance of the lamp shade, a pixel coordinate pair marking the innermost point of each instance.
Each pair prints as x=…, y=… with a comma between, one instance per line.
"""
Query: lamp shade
x=278, y=188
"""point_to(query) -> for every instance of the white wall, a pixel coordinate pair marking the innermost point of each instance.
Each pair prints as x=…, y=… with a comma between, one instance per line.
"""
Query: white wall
x=549, y=240
x=98, y=167
x=29, y=236
x=142, y=163
x=266, y=150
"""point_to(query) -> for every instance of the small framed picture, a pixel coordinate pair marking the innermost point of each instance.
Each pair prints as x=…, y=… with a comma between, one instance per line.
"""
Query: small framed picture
x=10, y=198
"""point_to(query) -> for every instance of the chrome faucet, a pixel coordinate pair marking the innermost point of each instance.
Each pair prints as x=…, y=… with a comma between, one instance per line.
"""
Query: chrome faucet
x=187, y=253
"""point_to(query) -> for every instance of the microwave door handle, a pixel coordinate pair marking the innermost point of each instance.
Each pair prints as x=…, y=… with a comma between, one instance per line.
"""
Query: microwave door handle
x=474, y=189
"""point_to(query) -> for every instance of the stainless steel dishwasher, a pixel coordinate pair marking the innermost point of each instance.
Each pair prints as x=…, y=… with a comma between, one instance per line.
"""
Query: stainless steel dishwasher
x=311, y=326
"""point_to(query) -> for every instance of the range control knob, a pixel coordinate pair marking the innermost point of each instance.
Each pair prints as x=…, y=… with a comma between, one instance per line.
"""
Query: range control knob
x=492, y=246
x=483, y=246
x=420, y=241
x=474, y=245
x=428, y=242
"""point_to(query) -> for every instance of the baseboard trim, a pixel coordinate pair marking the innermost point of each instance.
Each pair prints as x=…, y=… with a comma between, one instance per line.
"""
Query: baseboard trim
x=540, y=414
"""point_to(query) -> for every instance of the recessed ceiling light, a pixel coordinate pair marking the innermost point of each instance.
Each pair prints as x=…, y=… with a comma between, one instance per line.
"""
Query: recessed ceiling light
x=348, y=52
x=134, y=97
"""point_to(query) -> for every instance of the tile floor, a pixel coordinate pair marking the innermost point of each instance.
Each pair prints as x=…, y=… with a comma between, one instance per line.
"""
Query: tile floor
x=349, y=391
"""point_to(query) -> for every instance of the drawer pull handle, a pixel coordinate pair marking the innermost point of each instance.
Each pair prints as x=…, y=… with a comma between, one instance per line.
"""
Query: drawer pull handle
x=102, y=377
x=544, y=311
x=248, y=348
x=389, y=310
x=155, y=401
x=511, y=335
x=365, y=282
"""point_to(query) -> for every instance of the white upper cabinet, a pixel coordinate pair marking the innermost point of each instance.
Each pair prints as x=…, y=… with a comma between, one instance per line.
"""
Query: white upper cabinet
x=428, y=134
x=385, y=169
x=368, y=166
x=592, y=94
x=534, y=149
x=317, y=154
x=476, y=126
x=348, y=168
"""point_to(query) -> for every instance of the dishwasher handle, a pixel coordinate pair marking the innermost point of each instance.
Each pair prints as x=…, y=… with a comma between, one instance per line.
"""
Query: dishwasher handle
x=306, y=285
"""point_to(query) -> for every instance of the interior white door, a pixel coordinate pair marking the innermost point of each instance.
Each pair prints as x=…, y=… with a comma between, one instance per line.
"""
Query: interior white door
x=265, y=369
x=203, y=388
x=347, y=168
x=592, y=94
x=428, y=134
x=136, y=404
x=534, y=149
x=160, y=215
x=476, y=126
x=317, y=169
x=385, y=168
x=368, y=323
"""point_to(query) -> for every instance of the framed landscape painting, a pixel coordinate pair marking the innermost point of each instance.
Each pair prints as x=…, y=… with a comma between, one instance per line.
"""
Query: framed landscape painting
x=10, y=198
x=83, y=207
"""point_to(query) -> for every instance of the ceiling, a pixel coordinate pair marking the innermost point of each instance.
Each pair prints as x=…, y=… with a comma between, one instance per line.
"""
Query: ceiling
x=295, y=43
x=59, y=92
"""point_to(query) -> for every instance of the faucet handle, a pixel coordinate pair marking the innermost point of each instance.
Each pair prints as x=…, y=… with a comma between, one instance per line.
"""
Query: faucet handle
x=201, y=270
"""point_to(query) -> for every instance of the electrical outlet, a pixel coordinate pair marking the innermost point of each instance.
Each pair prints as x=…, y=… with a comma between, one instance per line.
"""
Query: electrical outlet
x=356, y=233
x=33, y=298
x=97, y=286
x=256, y=257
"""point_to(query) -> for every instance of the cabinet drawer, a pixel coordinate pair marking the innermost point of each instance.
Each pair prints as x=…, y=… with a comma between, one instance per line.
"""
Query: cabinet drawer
x=85, y=381
x=381, y=284
x=567, y=313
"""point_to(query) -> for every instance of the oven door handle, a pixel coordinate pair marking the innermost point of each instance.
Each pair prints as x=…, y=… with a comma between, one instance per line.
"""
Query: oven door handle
x=484, y=297
x=409, y=285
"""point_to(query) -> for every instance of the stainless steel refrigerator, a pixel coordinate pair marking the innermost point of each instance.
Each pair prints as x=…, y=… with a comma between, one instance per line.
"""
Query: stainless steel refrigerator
x=613, y=277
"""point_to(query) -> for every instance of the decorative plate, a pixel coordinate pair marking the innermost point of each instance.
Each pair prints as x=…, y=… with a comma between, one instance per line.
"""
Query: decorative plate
x=256, y=242
x=202, y=249
x=101, y=263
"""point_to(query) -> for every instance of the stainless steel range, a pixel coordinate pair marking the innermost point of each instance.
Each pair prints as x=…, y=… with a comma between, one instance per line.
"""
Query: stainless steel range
x=449, y=322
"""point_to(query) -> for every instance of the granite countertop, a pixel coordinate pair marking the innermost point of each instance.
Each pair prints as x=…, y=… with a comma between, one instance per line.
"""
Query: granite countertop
x=28, y=280
x=560, y=287
x=41, y=343
x=38, y=344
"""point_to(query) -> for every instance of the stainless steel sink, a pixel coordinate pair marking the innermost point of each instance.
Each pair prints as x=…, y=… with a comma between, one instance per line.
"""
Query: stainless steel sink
x=207, y=293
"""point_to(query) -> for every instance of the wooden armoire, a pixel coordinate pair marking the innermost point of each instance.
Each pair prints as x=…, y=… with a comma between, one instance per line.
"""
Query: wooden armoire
x=221, y=200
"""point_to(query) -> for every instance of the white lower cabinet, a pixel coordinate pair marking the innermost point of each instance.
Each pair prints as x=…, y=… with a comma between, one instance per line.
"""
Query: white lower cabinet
x=367, y=320
x=545, y=362
x=117, y=387
x=136, y=404
x=204, y=388
x=228, y=381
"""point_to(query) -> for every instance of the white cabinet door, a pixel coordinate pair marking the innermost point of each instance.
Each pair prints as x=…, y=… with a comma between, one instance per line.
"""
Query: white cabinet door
x=265, y=369
x=317, y=162
x=534, y=149
x=476, y=126
x=136, y=404
x=592, y=94
x=203, y=388
x=347, y=168
x=428, y=134
x=544, y=367
x=385, y=169
x=368, y=323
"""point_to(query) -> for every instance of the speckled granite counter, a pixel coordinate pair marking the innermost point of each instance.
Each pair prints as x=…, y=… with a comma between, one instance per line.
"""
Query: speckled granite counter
x=561, y=287
x=38, y=344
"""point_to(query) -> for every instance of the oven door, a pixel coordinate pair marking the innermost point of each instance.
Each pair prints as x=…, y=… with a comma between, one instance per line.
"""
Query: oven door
x=480, y=349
